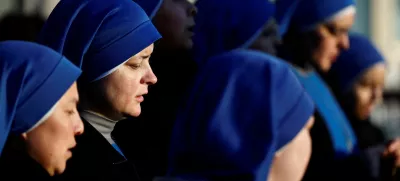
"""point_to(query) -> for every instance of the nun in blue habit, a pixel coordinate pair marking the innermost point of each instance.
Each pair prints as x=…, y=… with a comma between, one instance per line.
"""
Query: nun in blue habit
x=111, y=41
x=357, y=79
x=226, y=25
x=173, y=64
x=232, y=127
x=38, y=88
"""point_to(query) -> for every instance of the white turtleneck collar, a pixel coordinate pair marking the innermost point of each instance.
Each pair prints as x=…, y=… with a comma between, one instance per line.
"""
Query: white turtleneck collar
x=102, y=124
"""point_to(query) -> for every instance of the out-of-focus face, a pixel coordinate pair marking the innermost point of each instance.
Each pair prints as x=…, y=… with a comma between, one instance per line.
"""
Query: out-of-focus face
x=269, y=38
x=175, y=22
x=291, y=161
x=123, y=89
x=50, y=142
x=333, y=38
x=368, y=90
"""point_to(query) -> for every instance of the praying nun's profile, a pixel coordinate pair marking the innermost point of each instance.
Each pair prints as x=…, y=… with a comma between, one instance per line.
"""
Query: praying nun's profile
x=38, y=103
x=111, y=41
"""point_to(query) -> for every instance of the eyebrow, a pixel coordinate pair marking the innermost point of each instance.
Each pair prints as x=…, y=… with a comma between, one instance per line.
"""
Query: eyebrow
x=145, y=56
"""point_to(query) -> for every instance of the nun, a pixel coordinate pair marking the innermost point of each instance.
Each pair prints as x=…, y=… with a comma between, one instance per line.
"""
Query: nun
x=226, y=25
x=317, y=33
x=175, y=68
x=38, y=117
x=111, y=41
x=357, y=79
x=236, y=129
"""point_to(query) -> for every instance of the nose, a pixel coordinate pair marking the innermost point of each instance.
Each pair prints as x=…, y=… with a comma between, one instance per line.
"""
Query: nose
x=377, y=94
x=192, y=10
x=344, y=42
x=78, y=126
x=149, y=78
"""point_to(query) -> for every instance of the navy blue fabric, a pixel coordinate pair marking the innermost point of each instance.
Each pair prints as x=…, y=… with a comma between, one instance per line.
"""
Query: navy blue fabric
x=98, y=35
x=245, y=105
x=150, y=6
x=351, y=63
x=342, y=135
x=224, y=25
x=309, y=13
x=33, y=78
x=284, y=13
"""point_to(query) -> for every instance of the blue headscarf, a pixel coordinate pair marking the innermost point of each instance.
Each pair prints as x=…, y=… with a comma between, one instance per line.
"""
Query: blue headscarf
x=245, y=106
x=284, y=13
x=33, y=78
x=150, y=6
x=309, y=13
x=223, y=25
x=351, y=63
x=98, y=35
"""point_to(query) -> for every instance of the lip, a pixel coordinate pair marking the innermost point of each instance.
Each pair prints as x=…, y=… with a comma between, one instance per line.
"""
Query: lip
x=190, y=30
x=69, y=154
x=140, y=98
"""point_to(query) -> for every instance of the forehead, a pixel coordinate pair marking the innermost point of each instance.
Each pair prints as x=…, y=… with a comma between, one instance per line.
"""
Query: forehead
x=376, y=73
x=344, y=21
x=144, y=53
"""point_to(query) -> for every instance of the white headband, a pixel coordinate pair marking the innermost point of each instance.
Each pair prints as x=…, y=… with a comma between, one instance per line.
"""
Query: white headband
x=44, y=118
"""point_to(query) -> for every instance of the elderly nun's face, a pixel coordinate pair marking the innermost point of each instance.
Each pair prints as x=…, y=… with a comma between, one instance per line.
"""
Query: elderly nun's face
x=368, y=90
x=124, y=88
x=269, y=38
x=50, y=142
x=333, y=37
x=175, y=22
x=291, y=161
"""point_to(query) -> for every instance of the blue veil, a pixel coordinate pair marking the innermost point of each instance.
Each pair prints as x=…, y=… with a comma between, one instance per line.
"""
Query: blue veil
x=33, y=78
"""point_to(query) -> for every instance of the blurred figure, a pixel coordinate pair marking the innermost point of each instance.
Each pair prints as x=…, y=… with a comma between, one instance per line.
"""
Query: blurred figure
x=112, y=42
x=20, y=27
x=357, y=79
x=317, y=33
x=235, y=129
x=225, y=25
x=39, y=98
x=145, y=139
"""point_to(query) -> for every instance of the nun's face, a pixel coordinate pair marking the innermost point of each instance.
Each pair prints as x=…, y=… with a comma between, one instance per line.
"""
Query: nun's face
x=175, y=21
x=269, y=38
x=368, y=90
x=124, y=88
x=50, y=142
x=291, y=161
x=333, y=38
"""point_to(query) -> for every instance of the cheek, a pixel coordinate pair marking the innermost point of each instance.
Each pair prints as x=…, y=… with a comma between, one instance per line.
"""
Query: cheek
x=121, y=89
x=48, y=143
x=171, y=22
x=294, y=159
x=363, y=97
x=325, y=48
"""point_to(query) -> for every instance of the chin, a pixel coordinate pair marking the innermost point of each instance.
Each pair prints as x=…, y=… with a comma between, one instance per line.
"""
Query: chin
x=325, y=68
x=58, y=170
x=188, y=44
x=135, y=111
